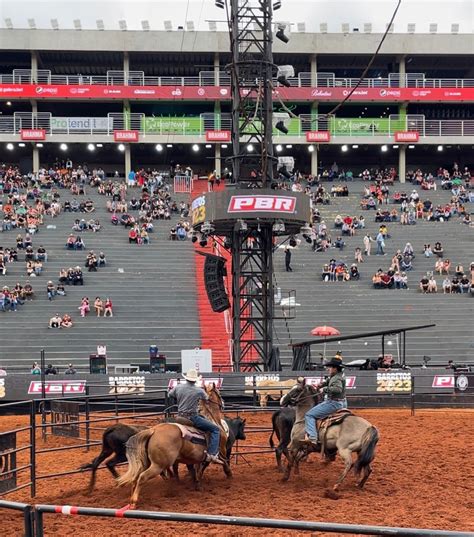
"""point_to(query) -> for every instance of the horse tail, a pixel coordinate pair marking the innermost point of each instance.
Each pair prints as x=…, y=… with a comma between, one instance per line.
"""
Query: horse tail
x=270, y=440
x=367, y=451
x=137, y=456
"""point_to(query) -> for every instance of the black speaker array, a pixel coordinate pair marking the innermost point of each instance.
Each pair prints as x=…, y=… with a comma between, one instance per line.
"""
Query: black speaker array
x=214, y=272
x=97, y=364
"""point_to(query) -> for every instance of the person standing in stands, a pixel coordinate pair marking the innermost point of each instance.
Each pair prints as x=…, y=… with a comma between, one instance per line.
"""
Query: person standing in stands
x=288, y=259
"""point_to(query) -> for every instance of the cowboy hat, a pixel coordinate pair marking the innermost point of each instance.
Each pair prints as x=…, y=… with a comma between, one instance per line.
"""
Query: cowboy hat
x=335, y=362
x=192, y=375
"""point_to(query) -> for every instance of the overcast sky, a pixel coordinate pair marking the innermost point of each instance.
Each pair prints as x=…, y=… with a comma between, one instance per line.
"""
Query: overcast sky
x=312, y=12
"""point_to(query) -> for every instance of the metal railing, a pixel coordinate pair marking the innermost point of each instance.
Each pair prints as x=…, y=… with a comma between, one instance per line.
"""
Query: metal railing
x=211, y=78
x=198, y=126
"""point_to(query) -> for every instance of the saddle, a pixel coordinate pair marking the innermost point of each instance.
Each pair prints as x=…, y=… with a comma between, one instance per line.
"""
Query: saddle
x=323, y=425
x=190, y=433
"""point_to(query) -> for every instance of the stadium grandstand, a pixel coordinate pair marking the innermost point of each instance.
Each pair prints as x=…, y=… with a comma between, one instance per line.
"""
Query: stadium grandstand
x=87, y=107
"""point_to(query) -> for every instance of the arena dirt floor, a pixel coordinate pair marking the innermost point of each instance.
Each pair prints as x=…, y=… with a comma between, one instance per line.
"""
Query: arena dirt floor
x=423, y=477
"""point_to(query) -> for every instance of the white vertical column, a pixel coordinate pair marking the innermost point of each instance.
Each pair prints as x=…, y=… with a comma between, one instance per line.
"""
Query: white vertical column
x=217, y=159
x=314, y=70
x=128, y=160
x=216, y=69
x=34, y=66
x=36, y=159
x=314, y=162
x=402, y=71
x=126, y=67
x=402, y=162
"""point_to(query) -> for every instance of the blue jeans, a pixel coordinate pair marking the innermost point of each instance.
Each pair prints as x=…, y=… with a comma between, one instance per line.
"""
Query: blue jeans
x=379, y=249
x=320, y=411
x=205, y=425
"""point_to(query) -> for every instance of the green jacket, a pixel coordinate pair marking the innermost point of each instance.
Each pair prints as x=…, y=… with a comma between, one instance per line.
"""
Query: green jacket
x=335, y=387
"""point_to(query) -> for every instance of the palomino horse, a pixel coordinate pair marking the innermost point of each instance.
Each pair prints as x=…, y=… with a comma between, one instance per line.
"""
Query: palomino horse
x=154, y=450
x=354, y=434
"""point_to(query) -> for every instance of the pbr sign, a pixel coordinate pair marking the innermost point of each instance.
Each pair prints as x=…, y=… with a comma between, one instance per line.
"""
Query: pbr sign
x=407, y=136
x=217, y=136
x=443, y=381
x=56, y=387
x=261, y=203
x=126, y=136
x=318, y=136
x=33, y=134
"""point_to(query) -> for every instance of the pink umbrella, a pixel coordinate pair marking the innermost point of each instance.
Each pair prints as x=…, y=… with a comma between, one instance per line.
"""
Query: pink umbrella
x=325, y=331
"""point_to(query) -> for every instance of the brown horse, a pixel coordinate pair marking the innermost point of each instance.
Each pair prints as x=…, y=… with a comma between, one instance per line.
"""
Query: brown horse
x=153, y=451
x=353, y=435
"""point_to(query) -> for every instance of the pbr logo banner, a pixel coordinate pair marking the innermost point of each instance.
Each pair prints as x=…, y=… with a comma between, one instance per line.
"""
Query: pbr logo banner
x=464, y=382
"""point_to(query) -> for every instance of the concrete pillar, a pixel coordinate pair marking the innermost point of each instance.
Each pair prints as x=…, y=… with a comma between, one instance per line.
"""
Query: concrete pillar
x=34, y=66
x=216, y=69
x=126, y=115
x=126, y=67
x=34, y=106
x=314, y=70
x=36, y=159
x=402, y=71
x=217, y=160
x=217, y=116
x=128, y=160
x=402, y=162
x=314, y=161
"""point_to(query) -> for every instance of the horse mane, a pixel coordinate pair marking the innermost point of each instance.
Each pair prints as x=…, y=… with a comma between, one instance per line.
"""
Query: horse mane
x=212, y=408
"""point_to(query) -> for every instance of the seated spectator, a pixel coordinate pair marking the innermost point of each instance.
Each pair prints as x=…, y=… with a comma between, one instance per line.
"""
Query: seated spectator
x=427, y=251
x=358, y=255
x=36, y=369
x=439, y=265
x=108, y=308
x=91, y=262
x=377, y=279
x=89, y=206
x=446, y=266
x=446, y=285
x=38, y=267
x=63, y=276
x=60, y=289
x=114, y=219
x=55, y=321
x=79, y=244
x=144, y=237
x=173, y=234
x=3, y=266
x=339, y=243
x=354, y=272
x=459, y=271
x=84, y=308
x=432, y=285
x=406, y=264
x=387, y=280
x=326, y=273
x=338, y=221
x=408, y=251
x=465, y=284
x=29, y=253
x=71, y=240
x=70, y=368
x=181, y=233
x=41, y=254
x=101, y=259
x=99, y=306
x=50, y=370
x=424, y=284
x=28, y=290
x=455, y=285
x=76, y=276
x=67, y=206
x=133, y=236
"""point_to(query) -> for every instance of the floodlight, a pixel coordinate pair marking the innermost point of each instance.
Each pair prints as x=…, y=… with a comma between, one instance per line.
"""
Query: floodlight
x=123, y=25
x=145, y=26
x=433, y=28
x=55, y=24
x=99, y=145
x=301, y=27
x=249, y=148
x=8, y=103
x=159, y=147
x=279, y=121
x=345, y=27
x=121, y=147
x=411, y=147
x=355, y=146
x=168, y=26
x=213, y=26
x=367, y=28
x=284, y=72
x=454, y=28
x=10, y=147
x=224, y=146
x=100, y=24
x=32, y=24
x=311, y=148
x=279, y=148
x=190, y=26
x=281, y=33
x=208, y=146
x=63, y=147
x=384, y=148
x=39, y=145
x=220, y=4
x=323, y=28
x=440, y=148
x=22, y=144
x=77, y=24
x=91, y=147
x=195, y=148
x=411, y=28
x=344, y=148
x=9, y=23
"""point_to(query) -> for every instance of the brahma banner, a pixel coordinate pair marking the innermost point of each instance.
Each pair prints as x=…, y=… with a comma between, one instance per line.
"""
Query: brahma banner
x=126, y=136
x=318, y=136
x=213, y=93
x=407, y=136
x=33, y=134
x=217, y=136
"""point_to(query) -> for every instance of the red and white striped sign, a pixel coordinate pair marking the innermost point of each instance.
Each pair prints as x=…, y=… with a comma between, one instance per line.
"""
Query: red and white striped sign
x=407, y=136
x=318, y=136
x=126, y=136
x=217, y=136
x=33, y=134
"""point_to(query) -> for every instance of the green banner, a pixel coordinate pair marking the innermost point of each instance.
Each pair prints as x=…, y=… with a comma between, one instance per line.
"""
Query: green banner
x=292, y=124
x=364, y=126
x=173, y=125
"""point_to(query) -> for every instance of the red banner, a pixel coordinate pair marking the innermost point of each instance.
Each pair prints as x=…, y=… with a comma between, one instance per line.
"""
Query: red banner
x=318, y=136
x=33, y=134
x=126, y=136
x=407, y=136
x=212, y=93
x=217, y=136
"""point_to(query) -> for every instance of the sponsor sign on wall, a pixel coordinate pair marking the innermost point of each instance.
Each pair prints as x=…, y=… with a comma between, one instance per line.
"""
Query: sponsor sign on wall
x=443, y=381
x=407, y=136
x=57, y=387
x=394, y=382
x=80, y=124
x=198, y=210
x=126, y=136
x=254, y=203
x=2, y=388
x=172, y=125
x=127, y=384
x=32, y=134
x=318, y=136
x=201, y=382
x=218, y=136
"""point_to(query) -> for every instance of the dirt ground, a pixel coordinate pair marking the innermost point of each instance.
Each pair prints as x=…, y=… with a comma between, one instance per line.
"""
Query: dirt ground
x=423, y=477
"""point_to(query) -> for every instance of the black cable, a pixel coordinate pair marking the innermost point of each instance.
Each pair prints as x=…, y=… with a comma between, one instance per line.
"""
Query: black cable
x=369, y=65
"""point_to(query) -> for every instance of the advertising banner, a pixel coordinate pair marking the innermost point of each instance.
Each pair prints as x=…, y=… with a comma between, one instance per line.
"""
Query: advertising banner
x=126, y=136
x=172, y=125
x=407, y=136
x=318, y=136
x=218, y=136
x=33, y=134
x=80, y=124
x=364, y=126
x=213, y=93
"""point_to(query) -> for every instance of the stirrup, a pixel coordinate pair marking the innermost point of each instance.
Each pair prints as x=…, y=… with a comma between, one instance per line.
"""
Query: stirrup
x=213, y=458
